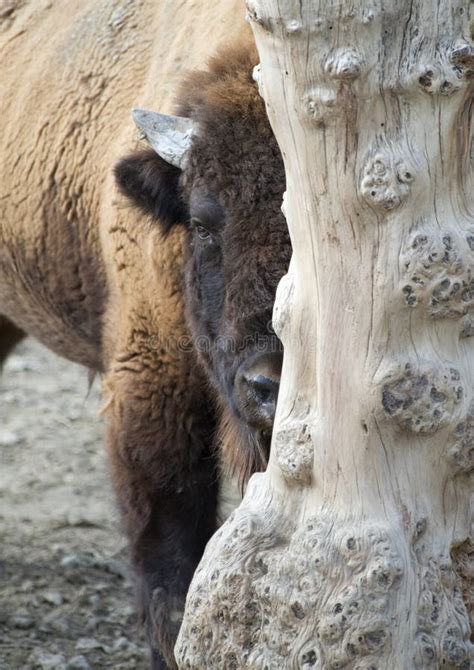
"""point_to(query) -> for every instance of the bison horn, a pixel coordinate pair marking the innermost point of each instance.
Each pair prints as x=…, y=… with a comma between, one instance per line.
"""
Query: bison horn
x=170, y=136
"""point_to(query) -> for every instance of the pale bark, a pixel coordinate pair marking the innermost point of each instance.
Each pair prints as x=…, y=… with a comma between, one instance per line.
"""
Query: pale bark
x=353, y=550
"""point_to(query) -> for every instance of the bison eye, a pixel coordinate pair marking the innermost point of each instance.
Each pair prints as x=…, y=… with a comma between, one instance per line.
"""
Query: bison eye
x=202, y=233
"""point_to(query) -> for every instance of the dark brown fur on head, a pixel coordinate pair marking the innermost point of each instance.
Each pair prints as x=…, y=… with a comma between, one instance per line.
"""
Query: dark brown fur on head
x=226, y=88
x=225, y=101
x=233, y=183
x=236, y=155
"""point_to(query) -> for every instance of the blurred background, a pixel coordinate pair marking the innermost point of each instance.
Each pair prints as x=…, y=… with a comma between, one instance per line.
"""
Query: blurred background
x=66, y=602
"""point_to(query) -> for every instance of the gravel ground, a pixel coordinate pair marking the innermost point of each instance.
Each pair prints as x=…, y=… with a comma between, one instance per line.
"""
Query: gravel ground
x=66, y=600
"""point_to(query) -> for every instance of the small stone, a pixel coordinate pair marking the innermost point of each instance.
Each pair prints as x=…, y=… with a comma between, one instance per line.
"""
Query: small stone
x=23, y=621
x=88, y=644
x=94, y=600
x=10, y=397
x=76, y=519
x=45, y=628
x=78, y=663
x=128, y=611
x=122, y=644
x=17, y=364
x=47, y=661
x=9, y=438
x=60, y=625
x=53, y=598
x=71, y=561
x=94, y=623
x=26, y=586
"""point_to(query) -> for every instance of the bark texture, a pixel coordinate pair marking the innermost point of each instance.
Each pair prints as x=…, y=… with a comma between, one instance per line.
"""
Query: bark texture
x=354, y=550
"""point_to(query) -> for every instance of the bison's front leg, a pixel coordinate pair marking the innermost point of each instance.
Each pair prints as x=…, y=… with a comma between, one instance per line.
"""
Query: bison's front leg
x=164, y=472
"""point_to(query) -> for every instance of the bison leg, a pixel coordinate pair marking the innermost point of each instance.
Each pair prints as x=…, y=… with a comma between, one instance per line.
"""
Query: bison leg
x=165, y=476
x=10, y=336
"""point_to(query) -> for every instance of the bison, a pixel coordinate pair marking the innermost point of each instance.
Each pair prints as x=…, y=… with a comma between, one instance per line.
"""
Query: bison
x=170, y=298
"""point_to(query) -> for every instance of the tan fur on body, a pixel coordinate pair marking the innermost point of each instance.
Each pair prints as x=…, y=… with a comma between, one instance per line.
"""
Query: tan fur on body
x=79, y=269
x=71, y=73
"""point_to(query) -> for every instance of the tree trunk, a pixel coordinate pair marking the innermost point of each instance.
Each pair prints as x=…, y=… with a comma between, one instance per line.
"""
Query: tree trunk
x=354, y=549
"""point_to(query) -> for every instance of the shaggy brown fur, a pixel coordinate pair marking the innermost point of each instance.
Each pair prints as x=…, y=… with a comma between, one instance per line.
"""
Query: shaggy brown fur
x=230, y=287
x=226, y=88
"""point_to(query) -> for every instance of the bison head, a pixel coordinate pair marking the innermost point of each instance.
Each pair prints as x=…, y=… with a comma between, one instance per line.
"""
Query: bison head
x=217, y=170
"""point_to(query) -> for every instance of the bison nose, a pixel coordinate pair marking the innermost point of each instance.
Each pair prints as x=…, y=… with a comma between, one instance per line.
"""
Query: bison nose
x=257, y=385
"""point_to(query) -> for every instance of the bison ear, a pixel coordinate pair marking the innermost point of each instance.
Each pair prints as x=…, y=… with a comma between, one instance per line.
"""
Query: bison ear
x=150, y=178
x=152, y=185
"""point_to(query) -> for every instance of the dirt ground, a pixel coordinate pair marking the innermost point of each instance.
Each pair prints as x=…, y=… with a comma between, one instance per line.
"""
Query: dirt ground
x=66, y=600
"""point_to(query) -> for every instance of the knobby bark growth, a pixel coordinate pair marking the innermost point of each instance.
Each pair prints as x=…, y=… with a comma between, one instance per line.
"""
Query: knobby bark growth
x=354, y=549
